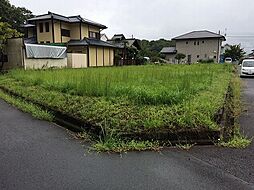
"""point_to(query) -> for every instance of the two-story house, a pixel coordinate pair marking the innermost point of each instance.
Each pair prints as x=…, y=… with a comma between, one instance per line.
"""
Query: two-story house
x=79, y=35
x=128, y=49
x=200, y=45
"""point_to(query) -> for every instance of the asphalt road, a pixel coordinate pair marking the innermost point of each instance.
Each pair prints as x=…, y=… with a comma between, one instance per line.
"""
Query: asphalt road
x=40, y=155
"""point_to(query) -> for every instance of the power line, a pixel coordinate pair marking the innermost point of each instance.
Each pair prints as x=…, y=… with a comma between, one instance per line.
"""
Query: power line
x=240, y=36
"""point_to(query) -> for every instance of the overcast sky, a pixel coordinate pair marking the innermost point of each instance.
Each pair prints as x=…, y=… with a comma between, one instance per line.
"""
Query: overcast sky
x=155, y=19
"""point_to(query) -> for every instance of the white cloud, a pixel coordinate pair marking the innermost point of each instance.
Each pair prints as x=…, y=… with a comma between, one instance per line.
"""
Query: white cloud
x=158, y=18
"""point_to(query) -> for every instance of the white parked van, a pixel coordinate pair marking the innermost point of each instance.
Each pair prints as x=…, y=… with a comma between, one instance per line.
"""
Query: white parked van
x=247, y=68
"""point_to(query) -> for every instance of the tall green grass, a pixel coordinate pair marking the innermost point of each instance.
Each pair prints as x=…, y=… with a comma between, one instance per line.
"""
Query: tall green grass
x=150, y=85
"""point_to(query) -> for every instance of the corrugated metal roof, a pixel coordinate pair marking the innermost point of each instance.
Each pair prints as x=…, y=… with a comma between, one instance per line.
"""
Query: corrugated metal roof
x=71, y=19
x=171, y=50
x=199, y=34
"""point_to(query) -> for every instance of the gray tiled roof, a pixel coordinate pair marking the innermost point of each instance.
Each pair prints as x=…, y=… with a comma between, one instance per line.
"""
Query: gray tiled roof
x=199, y=35
x=41, y=17
x=27, y=25
x=97, y=42
x=77, y=43
x=169, y=50
x=71, y=19
x=90, y=41
x=118, y=37
x=123, y=42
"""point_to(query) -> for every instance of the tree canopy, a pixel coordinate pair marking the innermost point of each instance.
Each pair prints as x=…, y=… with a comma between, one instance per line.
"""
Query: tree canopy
x=14, y=16
x=235, y=52
x=7, y=32
x=152, y=48
x=180, y=56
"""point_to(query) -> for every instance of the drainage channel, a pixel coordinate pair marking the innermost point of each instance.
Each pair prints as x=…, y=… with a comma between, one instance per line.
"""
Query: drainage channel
x=172, y=138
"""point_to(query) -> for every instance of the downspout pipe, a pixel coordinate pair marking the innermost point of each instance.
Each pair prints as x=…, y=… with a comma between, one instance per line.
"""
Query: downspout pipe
x=53, y=29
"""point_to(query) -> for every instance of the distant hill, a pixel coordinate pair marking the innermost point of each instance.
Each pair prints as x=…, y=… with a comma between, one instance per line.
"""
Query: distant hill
x=152, y=48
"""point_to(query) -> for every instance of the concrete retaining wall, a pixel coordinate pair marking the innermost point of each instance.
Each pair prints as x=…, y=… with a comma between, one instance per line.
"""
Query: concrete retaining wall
x=14, y=50
x=44, y=63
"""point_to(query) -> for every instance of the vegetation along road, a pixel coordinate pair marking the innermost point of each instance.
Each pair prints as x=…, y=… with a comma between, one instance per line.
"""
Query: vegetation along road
x=155, y=103
x=40, y=155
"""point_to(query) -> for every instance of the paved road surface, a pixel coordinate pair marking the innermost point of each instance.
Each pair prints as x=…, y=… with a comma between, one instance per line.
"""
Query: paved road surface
x=40, y=155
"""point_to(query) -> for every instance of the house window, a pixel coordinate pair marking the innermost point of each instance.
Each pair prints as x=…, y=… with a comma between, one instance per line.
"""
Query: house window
x=194, y=43
x=215, y=57
x=198, y=43
x=95, y=35
x=41, y=27
x=187, y=42
x=203, y=42
x=48, y=42
x=47, y=26
x=41, y=42
x=65, y=33
x=198, y=56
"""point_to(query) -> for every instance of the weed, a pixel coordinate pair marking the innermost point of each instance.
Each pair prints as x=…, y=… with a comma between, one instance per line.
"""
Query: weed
x=84, y=136
x=119, y=146
x=237, y=141
x=185, y=146
x=36, y=111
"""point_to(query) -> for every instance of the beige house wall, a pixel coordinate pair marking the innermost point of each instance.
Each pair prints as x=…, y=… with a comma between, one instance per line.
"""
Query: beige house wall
x=106, y=57
x=75, y=31
x=57, y=31
x=84, y=31
x=94, y=29
x=58, y=25
x=207, y=49
x=76, y=60
x=45, y=36
x=99, y=56
x=100, y=59
x=111, y=57
x=92, y=57
x=67, y=27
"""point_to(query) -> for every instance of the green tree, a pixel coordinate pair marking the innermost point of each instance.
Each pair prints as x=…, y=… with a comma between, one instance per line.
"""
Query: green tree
x=152, y=48
x=15, y=16
x=6, y=32
x=235, y=52
x=179, y=57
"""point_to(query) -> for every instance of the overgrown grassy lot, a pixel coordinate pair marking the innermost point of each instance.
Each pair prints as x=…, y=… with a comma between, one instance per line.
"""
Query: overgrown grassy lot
x=130, y=100
x=151, y=85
